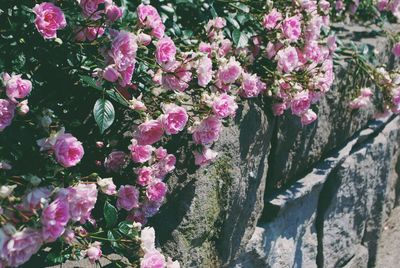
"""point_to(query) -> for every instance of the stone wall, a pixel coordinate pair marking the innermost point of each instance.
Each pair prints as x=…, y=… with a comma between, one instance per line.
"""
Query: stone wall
x=284, y=195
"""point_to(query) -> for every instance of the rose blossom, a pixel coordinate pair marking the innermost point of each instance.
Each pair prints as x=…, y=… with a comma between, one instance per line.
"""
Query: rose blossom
x=204, y=71
x=113, y=12
x=140, y=153
x=205, y=157
x=90, y=8
x=49, y=19
x=300, y=103
x=68, y=150
x=156, y=191
x=174, y=119
x=149, y=132
x=288, y=59
x=69, y=236
x=145, y=176
x=94, y=252
x=291, y=28
x=144, y=39
x=147, y=238
x=308, y=117
x=278, y=108
x=82, y=199
x=149, y=18
x=17, y=88
x=92, y=33
x=224, y=106
x=207, y=131
x=396, y=49
x=165, y=50
x=128, y=197
x=153, y=259
x=107, y=186
x=7, y=109
x=21, y=246
x=164, y=166
x=252, y=86
x=22, y=107
x=229, y=72
x=271, y=19
x=54, y=219
x=115, y=161
x=33, y=199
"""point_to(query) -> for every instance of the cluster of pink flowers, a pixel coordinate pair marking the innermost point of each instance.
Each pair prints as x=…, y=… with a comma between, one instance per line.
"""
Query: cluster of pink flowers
x=362, y=101
x=392, y=6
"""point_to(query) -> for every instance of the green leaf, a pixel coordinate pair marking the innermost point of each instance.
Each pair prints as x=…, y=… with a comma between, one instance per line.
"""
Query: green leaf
x=239, y=38
x=115, y=95
x=126, y=228
x=233, y=22
x=89, y=82
x=104, y=114
x=54, y=258
x=110, y=214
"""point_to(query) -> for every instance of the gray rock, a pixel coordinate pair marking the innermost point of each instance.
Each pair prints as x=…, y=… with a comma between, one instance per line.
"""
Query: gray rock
x=360, y=259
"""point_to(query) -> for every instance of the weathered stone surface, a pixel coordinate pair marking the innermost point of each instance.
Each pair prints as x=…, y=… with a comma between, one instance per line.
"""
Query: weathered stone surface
x=355, y=198
x=360, y=259
x=296, y=148
x=212, y=212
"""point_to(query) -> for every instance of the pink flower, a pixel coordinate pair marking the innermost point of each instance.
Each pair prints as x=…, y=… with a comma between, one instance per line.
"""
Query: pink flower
x=252, y=86
x=204, y=71
x=382, y=4
x=107, y=186
x=69, y=236
x=113, y=12
x=93, y=33
x=288, y=59
x=140, y=153
x=54, y=219
x=110, y=74
x=32, y=200
x=49, y=19
x=224, y=106
x=160, y=153
x=174, y=119
x=360, y=103
x=366, y=92
x=208, y=131
x=312, y=52
x=90, y=8
x=300, y=103
x=331, y=42
x=156, y=191
x=21, y=246
x=82, y=199
x=291, y=28
x=396, y=49
x=147, y=237
x=229, y=72
x=23, y=108
x=165, y=50
x=308, y=117
x=144, y=176
x=115, y=161
x=279, y=108
x=164, y=166
x=149, y=132
x=7, y=109
x=17, y=88
x=94, y=252
x=178, y=80
x=149, y=18
x=153, y=259
x=144, y=39
x=205, y=157
x=158, y=29
x=68, y=150
x=271, y=19
x=128, y=197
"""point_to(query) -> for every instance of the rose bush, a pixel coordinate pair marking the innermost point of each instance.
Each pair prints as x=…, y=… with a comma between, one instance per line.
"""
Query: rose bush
x=125, y=79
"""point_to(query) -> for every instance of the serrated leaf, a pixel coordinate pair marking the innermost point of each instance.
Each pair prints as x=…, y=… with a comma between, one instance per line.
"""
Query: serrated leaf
x=110, y=214
x=239, y=38
x=104, y=114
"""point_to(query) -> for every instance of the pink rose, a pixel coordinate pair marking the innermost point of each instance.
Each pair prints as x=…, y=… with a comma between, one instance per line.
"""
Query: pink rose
x=140, y=153
x=156, y=191
x=396, y=49
x=382, y=4
x=94, y=252
x=331, y=42
x=229, y=72
x=7, y=109
x=90, y=8
x=93, y=33
x=69, y=236
x=224, y=106
x=271, y=19
x=158, y=29
x=82, y=199
x=148, y=16
x=204, y=71
x=49, y=19
x=205, y=157
x=278, y=108
x=153, y=259
x=68, y=150
x=288, y=59
x=128, y=197
x=300, y=103
x=32, y=201
x=21, y=246
x=312, y=52
x=23, y=108
x=174, y=119
x=144, y=176
x=164, y=166
x=308, y=117
x=147, y=238
x=252, y=86
x=208, y=131
x=17, y=88
x=107, y=186
x=144, y=39
x=149, y=132
x=291, y=28
x=115, y=161
x=110, y=74
x=54, y=219
x=113, y=12
x=165, y=50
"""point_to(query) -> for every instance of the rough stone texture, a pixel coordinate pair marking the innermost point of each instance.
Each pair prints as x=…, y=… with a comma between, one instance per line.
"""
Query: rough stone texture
x=212, y=212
